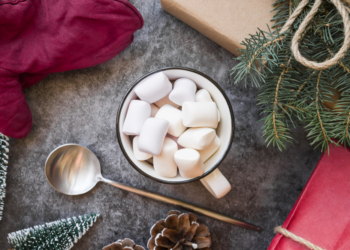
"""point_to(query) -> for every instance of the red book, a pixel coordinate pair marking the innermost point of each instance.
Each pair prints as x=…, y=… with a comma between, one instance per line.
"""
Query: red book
x=321, y=214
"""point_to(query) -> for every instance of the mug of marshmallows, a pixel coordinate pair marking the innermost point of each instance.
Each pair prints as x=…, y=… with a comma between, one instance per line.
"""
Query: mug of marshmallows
x=176, y=125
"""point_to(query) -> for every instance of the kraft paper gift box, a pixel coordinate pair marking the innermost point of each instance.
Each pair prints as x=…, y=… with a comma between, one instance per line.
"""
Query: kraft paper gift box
x=226, y=22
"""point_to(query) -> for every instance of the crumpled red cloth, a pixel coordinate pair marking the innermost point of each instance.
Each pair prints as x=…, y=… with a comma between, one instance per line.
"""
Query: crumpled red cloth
x=321, y=214
x=38, y=37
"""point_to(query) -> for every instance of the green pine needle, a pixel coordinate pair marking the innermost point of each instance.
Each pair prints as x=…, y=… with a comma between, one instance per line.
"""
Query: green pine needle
x=290, y=94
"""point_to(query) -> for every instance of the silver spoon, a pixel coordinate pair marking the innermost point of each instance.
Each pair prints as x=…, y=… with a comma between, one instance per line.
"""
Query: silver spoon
x=73, y=169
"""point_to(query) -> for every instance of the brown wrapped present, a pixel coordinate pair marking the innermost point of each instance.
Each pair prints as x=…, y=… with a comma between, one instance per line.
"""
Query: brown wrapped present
x=226, y=22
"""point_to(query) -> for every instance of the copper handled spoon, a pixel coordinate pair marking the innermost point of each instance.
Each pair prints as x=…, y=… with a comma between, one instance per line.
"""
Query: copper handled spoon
x=73, y=169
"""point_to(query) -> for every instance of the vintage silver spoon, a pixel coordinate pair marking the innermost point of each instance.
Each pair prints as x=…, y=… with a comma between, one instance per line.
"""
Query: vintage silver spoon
x=73, y=169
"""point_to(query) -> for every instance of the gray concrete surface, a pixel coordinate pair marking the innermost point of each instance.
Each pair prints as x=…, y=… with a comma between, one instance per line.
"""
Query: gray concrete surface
x=80, y=107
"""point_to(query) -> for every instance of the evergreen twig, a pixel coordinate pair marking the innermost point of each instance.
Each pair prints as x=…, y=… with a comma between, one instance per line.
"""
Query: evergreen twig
x=291, y=94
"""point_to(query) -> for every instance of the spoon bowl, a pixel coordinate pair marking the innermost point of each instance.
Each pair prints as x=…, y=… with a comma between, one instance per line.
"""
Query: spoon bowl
x=73, y=169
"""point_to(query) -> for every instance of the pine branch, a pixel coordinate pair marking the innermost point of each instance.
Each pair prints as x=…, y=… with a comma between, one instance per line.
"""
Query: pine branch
x=264, y=46
x=342, y=131
x=276, y=100
x=317, y=107
x=347, y=126
x=291, y=94
x=344, y=67
x=277, y=111
x=260, y=54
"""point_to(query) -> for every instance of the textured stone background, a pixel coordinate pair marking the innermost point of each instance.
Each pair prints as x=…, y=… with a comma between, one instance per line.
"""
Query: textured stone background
x=80, y=107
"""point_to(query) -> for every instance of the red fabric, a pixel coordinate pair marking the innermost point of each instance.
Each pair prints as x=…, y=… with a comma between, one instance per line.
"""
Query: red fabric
x=321, y=214
x=38, y=37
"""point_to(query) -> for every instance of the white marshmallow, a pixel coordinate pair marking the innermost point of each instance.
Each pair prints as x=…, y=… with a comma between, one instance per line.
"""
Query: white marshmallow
x=154, y=110
x=165, y=100
x=189, y=162
x=203, y=95
x=184, y=90
x=210, y=150
x=197, y=138
x=175, y=140
x=164, y=164
x=137, y=114
x=152, y=135
x=140, y=156
x=153, y=88
x=174, y=117
x=216, y=183
x=200, y=114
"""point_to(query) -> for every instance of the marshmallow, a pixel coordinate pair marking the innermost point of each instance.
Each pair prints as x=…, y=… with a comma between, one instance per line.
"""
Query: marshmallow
x=189, y=162
x=137, y=114
x=175, y=140
x=200, y=114
x=140, y=156
x=153, y=88
x=197, y=138
x=216, y=183
x=210, y=150
x=174, y=117
x=154, y=110
x=164, y=164
x=203, y=95
x=152, y=135
x=165, y=100
x=184, y=90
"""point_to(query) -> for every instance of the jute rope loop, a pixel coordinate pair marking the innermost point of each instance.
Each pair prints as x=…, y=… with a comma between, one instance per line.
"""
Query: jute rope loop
x=298, y=239
x=296, y=39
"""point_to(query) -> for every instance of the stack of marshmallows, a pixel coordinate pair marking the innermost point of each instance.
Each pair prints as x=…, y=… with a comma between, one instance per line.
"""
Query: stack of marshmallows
x=176, y=126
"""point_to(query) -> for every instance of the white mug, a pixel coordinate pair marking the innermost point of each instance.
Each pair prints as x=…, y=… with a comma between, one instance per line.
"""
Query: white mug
x=212, y=179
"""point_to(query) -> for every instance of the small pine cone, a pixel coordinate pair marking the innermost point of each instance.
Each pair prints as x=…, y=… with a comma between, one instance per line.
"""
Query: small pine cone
x=125, y=244
x=179, y=232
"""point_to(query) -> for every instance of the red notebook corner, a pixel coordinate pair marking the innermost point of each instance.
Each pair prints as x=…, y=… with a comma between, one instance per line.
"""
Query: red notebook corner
x=321, y=214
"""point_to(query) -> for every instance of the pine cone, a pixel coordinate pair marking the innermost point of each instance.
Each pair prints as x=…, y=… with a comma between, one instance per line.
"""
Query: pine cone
x=179, y=232
x=125, y=244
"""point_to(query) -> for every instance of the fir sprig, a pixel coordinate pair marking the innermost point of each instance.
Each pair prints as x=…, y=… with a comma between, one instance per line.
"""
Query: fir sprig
x=291, y=94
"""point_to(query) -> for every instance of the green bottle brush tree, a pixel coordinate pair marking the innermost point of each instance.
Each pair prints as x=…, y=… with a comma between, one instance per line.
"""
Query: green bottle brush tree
x=4, y=149
x=58, y=235
x=292, y=92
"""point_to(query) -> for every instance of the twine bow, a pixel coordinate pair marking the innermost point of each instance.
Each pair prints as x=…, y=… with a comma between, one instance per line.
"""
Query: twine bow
x=298, y=239
x=296, y=39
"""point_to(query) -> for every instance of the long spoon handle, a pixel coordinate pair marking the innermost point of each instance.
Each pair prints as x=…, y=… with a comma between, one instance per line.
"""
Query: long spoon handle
x=182, y=204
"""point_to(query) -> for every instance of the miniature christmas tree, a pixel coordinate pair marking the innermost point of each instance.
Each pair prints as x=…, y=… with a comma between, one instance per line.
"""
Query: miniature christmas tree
x=3, y=169
x=58, y=235
x=302, y=68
